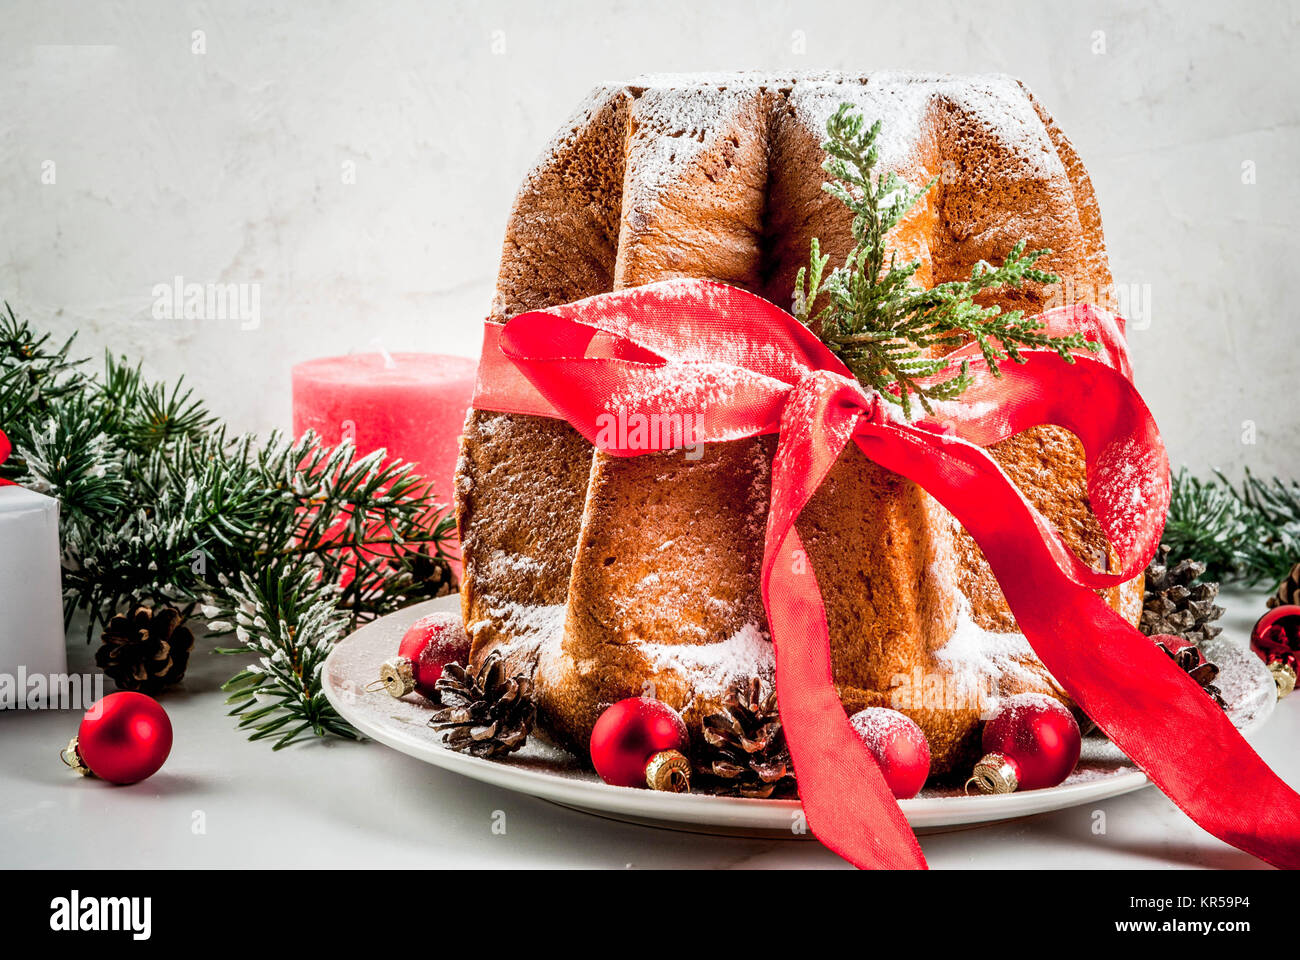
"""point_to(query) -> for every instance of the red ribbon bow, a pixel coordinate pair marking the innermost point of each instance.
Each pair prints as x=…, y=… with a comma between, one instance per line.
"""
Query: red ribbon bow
x=742, y=367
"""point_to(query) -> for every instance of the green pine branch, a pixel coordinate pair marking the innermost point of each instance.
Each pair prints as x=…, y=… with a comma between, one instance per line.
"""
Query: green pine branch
x=35, y=374
x=288, y=618
x=364, y=521
x=48, y=368
x=149, y=415
x=71, y=456
x=889, y=332
x=1248, y=532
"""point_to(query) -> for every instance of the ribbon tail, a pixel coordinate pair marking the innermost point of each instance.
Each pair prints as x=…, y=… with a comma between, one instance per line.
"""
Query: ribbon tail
x=845, y=798
x=848, y=804
x=1157, y=715
x=1149, y=708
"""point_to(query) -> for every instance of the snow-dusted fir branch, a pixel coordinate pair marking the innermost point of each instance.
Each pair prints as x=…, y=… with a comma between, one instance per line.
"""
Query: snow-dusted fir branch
x=290, y=619
x=370, y=525
x=1248, y=531
x=890, y=332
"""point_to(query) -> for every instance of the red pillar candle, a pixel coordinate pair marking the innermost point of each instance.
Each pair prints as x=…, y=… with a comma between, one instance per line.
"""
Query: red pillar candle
x=412, y=404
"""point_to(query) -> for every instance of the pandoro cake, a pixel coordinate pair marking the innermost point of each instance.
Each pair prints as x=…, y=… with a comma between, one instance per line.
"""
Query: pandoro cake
x=607, y=577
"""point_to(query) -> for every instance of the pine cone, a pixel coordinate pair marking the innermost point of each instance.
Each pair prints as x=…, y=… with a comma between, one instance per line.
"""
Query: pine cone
x=745, y=745
x=1289, y=590
x=1189, y=657
x=423, y=574
x=145, y=650
x=433, y=573
x=485, y=713
x=1176, y=604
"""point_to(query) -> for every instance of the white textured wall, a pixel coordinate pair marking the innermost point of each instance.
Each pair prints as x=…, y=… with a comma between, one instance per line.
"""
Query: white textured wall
x=228, y=167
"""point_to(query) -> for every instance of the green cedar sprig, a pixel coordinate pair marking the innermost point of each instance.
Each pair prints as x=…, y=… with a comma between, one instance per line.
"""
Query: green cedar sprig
x=875, y=318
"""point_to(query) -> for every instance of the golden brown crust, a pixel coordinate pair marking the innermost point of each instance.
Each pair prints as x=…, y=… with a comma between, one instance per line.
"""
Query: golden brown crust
x=1047, y=466
x=521, y=481
x=654, y=530
x=518, y=526
x=1091, y=281
x=562, y=236
x=696, y=176
x=798, y=209
x=625, y=587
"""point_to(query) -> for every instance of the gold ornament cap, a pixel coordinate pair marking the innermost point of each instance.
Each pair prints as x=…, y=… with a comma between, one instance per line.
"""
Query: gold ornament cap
x=670, y=771
x=995, y=773
x=72, y=757
x=1283, y=676
x=398, y=676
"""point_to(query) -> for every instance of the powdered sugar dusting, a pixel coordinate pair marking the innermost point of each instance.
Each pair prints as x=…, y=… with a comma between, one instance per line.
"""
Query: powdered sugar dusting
x=1244, y=682
x=906, y=104
x=879, y=727
x=525, y=626
x=504, y=563
x=1129, y=491
x=989, y=661
x=710, y=668
x=680, y=124
x=521, y=619
x=1013, y=707
x=694, y=388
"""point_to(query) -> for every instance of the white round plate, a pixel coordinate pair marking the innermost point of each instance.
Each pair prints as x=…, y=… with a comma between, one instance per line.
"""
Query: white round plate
x=541, y=770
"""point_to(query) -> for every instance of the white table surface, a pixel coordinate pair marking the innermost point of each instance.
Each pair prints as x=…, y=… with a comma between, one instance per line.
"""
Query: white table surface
x=223, y=802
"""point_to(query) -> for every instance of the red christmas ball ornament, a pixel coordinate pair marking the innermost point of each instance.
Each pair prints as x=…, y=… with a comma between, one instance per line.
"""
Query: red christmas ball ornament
x=642, y=742
x=1031, y=742
x=431, y=643
x=898, y=745
x=123, y=738
x=1275, y=638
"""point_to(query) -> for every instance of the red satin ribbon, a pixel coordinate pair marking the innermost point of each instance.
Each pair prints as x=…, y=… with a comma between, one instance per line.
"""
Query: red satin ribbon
x=745, y=367
x=4, y=455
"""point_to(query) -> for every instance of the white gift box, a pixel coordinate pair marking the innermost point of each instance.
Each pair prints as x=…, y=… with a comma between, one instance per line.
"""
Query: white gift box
x=31, y=604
